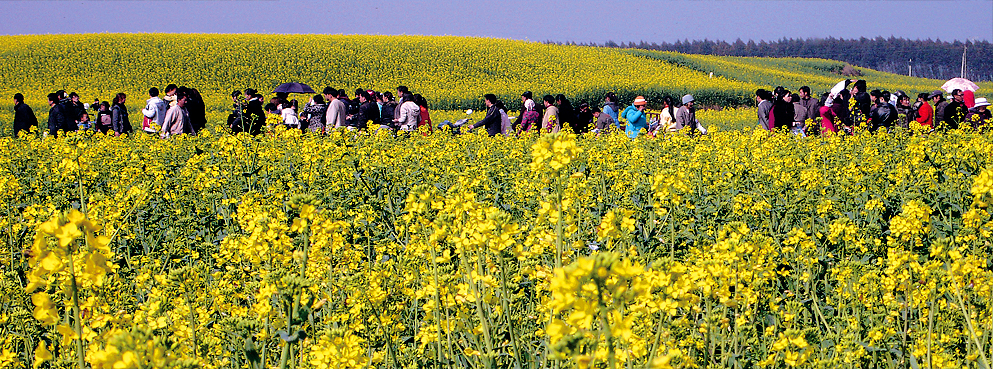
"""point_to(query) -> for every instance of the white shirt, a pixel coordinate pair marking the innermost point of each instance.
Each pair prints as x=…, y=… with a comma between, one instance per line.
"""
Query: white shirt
x=290, y=117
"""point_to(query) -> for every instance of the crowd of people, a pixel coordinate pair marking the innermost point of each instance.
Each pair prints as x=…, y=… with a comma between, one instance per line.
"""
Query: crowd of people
x=331, y=109
x=180, y=111
x=850, y=106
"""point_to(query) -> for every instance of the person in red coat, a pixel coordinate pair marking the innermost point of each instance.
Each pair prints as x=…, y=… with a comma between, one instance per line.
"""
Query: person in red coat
x=925, y=113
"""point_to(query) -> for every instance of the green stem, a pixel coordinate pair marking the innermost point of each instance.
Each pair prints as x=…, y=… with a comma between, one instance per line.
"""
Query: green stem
x=506, y=309
x=558, y=223
x=968, y=322
x=77, y=319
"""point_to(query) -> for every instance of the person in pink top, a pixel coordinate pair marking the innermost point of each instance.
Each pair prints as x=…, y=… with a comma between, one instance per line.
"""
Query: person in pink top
x=827, y=116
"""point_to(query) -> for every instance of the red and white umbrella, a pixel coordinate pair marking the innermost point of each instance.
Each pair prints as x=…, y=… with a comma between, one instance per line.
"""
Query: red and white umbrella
x=959, y=84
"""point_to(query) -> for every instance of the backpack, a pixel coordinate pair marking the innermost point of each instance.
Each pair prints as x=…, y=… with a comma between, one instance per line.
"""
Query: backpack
x=106, y=120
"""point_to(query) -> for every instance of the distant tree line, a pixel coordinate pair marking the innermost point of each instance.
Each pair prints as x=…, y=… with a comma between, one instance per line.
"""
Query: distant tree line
x=922, y=58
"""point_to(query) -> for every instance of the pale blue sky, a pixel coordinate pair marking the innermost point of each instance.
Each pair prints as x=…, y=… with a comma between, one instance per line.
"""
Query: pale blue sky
x=555, y=20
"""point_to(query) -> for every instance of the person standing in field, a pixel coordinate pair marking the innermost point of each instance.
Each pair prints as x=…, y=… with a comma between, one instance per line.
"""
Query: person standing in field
x=288, y=111
x=924, y=111
x=24, y=117
x=604, y=122
x=425, y=115
x=882, y=114
x=506, y=126
x=567, y=114
x=808, y=102
x=197, y=109
x=492, y=121
x=177, y=119
x=635, y=115
x=686, y=115
x=763, y=98
x=979, y=117
x=105, y=119
x=825, y=113
x=368, y=111
x=154, y=111
x=255, y=114
x=956, y=110
x=800, y=116
x=782, y=110
x=667, y=118
x=584, y=119
x=937, y=98
x=121, y=122
x=610, y=106
x=337, y=111
x=905, y=112
x=841, y=114
x=313, y=115
x=171, y=89
x=76, y=110
x=387, y=110
x=550, y=121
x=529, y=118
x=862, y=103
x=408, y=113
x=56, y=115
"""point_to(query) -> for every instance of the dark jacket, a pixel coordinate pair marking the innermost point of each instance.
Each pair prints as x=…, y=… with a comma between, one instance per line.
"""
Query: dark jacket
x=863, y=103
x=491, y=121
x=255, y=116
x=955, y=113
x=56, y=119
x=197, y=109
x=840, y=111
x=567, y=115
x=104, y=124
x=882, y=116
x=122, y=125
x=979, y=120
x=24, y=118
x=368, y=111
x=236, y=119
x=75, y=110
x=783, y=113
x=939, y=112
x=909, y=114
x=387, y=114
x=582, y=123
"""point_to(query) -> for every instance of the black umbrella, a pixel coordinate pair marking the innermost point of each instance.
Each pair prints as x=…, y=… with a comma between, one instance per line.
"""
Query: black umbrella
x=294, y=88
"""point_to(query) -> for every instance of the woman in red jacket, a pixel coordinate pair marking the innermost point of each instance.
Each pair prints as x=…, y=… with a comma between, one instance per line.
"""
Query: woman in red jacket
x=425, y=115
x=925, y=113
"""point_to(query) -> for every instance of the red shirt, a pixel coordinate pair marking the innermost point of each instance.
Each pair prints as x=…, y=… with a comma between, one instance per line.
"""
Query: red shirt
x=925, y=115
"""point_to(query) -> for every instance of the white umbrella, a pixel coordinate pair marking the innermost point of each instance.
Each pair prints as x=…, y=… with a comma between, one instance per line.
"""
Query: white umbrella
x=835, y=91
x=959, y=84
x=838, y=87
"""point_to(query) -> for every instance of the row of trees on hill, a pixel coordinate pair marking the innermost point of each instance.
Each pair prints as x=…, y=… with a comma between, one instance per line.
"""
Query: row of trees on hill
x=921, y=58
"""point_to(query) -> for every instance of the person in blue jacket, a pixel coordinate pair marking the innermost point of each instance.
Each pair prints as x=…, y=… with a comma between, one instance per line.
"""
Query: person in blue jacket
x=635, y=115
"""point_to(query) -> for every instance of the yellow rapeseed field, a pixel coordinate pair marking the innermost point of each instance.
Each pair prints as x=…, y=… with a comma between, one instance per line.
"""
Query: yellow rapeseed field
x=735, y=249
